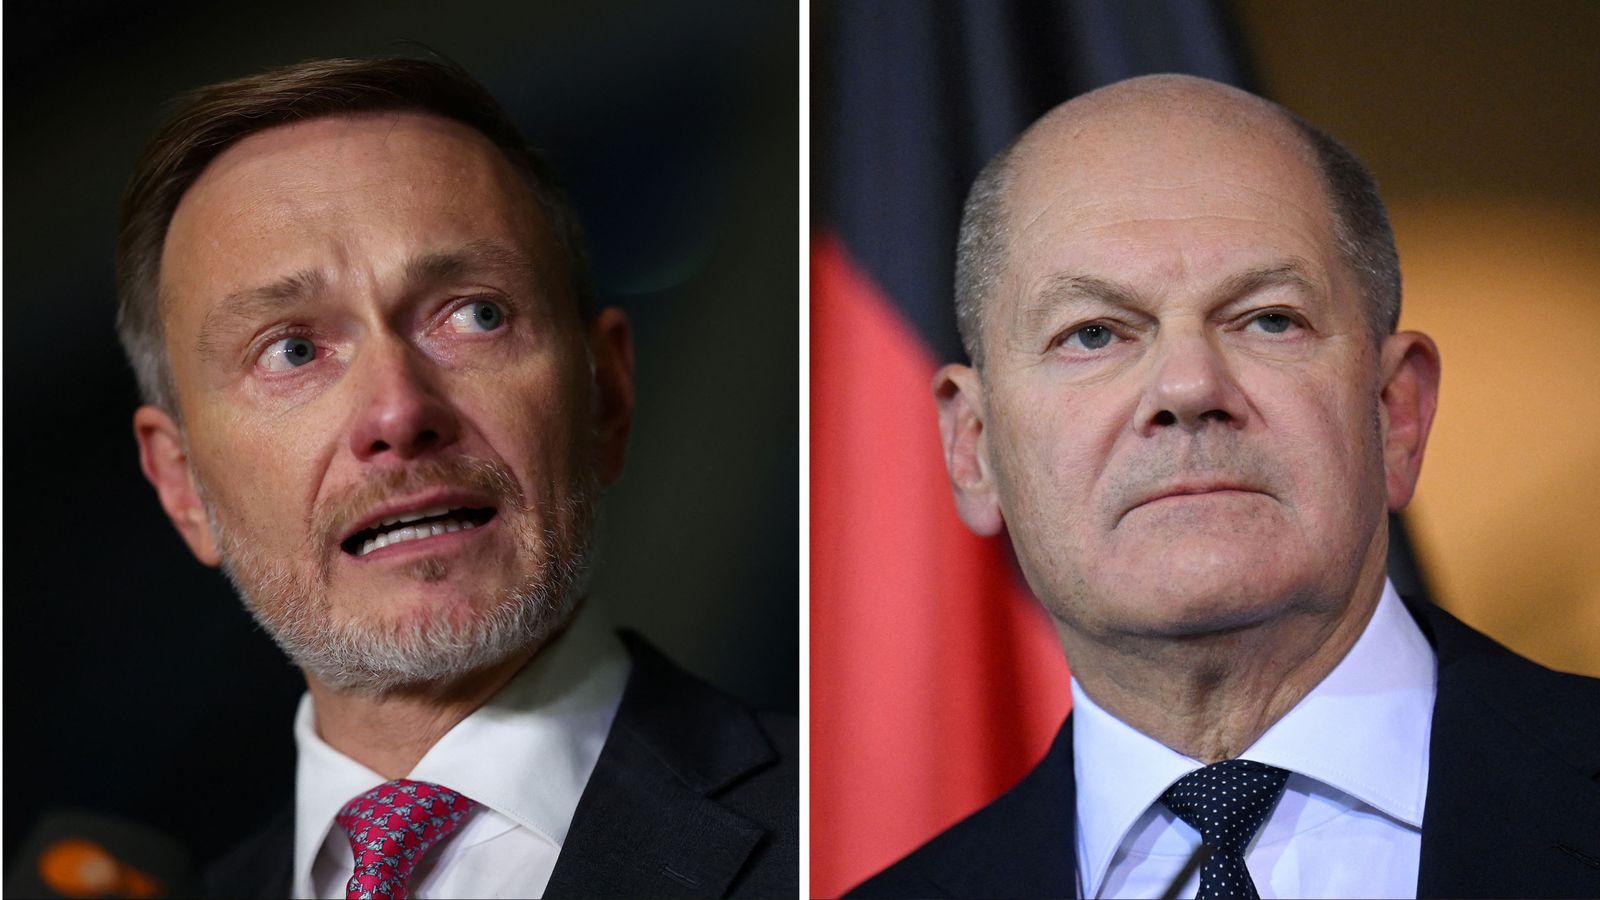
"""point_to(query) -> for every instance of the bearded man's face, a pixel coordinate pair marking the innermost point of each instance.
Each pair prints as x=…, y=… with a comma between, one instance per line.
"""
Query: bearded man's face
x=389, y=406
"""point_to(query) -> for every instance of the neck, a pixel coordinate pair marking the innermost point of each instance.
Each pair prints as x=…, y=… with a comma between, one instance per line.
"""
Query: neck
x=390, y=732
x=1211, y=696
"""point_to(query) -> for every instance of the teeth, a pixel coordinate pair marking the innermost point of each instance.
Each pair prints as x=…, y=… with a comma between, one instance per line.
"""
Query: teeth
x=413, y=532
x=414, y=516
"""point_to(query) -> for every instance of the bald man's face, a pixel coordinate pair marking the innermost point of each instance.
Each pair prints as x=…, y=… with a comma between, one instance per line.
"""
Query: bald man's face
x=1178, y=419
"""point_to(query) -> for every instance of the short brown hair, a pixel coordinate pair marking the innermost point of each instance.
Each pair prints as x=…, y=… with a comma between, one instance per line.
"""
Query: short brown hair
x=211, y=119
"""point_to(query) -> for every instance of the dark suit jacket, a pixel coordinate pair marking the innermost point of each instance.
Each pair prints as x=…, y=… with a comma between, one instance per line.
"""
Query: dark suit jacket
x=694, y=795
x=1512, y=810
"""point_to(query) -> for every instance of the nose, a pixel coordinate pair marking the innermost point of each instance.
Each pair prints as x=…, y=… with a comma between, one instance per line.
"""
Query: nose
x=402, y=411
x=1191, y=388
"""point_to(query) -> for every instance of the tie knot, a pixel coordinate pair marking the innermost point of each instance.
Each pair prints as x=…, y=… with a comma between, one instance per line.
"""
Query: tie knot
x=1227, y=801
x=390, y=827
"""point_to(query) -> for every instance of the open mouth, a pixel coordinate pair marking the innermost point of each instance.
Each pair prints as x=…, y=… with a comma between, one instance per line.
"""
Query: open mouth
x=415, y=526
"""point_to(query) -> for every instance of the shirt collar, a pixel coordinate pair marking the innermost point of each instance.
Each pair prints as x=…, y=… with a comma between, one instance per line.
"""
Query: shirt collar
x=1119, y=772
x=1364, y=729
x=556, y=711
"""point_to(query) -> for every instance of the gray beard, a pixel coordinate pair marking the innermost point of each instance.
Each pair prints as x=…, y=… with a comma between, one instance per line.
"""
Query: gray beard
x=291, y=604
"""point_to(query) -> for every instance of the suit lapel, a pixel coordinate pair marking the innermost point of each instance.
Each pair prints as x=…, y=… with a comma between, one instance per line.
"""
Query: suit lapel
x=648, y=823
x=1512, y=807
x=262, y=866
x=1021, y=845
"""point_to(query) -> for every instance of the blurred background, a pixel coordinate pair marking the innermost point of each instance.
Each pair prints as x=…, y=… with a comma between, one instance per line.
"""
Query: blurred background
x=134, y=682
x=1481, y=123
x=935, y=682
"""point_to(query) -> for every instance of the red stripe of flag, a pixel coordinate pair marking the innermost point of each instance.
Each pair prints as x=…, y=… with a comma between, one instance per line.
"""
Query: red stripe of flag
x=936, y=680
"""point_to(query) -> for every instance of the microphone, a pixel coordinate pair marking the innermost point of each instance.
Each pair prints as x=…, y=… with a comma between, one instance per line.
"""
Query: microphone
x=70, y=853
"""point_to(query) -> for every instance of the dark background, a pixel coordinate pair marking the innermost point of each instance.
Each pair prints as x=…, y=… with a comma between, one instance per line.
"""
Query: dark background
x=135, y=684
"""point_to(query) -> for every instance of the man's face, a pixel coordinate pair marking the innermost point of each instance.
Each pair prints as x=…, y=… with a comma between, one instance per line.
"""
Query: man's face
x=368, y=320
x=1180, y=409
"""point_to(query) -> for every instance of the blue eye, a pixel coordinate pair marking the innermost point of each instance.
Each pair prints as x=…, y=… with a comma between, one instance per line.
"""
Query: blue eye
x=1273, y=323
x=479, y=315
x=1091, y=337
x=289, y=353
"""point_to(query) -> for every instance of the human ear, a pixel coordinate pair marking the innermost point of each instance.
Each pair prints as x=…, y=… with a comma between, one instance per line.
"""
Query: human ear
x=611, y=346
x=959, y=394
x=166, y=464
x=1410, y=367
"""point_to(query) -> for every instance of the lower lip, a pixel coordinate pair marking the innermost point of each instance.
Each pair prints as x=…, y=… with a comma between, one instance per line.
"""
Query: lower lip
x=1204, y=494
x=419, y=548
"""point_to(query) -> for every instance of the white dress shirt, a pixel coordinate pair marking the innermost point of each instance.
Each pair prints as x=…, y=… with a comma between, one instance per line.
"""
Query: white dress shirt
x=1349, y=823
x=524, y=756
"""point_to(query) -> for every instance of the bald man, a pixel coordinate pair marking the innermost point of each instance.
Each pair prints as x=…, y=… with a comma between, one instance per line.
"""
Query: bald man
x=1189, y=408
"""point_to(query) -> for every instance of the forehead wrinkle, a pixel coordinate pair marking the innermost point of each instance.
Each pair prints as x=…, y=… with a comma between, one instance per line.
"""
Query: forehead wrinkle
x=253, y=304
x=1084, y=203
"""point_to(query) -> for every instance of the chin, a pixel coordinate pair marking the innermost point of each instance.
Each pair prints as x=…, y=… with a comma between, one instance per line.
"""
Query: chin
x=432, y=641
x=426, y=609
x=1191, y=587
x=440, y=593
x=1216, y=609
x=420, y=632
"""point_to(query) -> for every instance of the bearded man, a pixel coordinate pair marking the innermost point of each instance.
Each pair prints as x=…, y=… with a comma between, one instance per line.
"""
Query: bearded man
x=380, y=396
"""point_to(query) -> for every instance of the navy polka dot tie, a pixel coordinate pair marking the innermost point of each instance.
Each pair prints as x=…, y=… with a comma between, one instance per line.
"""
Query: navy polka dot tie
x=1226, y=802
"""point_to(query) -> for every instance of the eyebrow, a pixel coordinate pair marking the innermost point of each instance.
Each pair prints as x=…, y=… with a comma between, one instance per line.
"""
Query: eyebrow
x=1064, y=288
x=1288, y=273
x=254, y=303
x=474, y=257
x=484, y=256
x=1067, y=287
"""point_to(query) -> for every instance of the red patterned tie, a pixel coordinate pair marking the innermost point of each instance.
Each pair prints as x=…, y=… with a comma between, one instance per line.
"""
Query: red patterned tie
x=390, y=827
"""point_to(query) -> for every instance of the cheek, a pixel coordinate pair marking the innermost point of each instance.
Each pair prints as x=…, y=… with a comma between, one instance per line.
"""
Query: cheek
x=258, y=498
x=531, y=419
x=262, y=475
x=1049, y=458
x=1329, y=440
